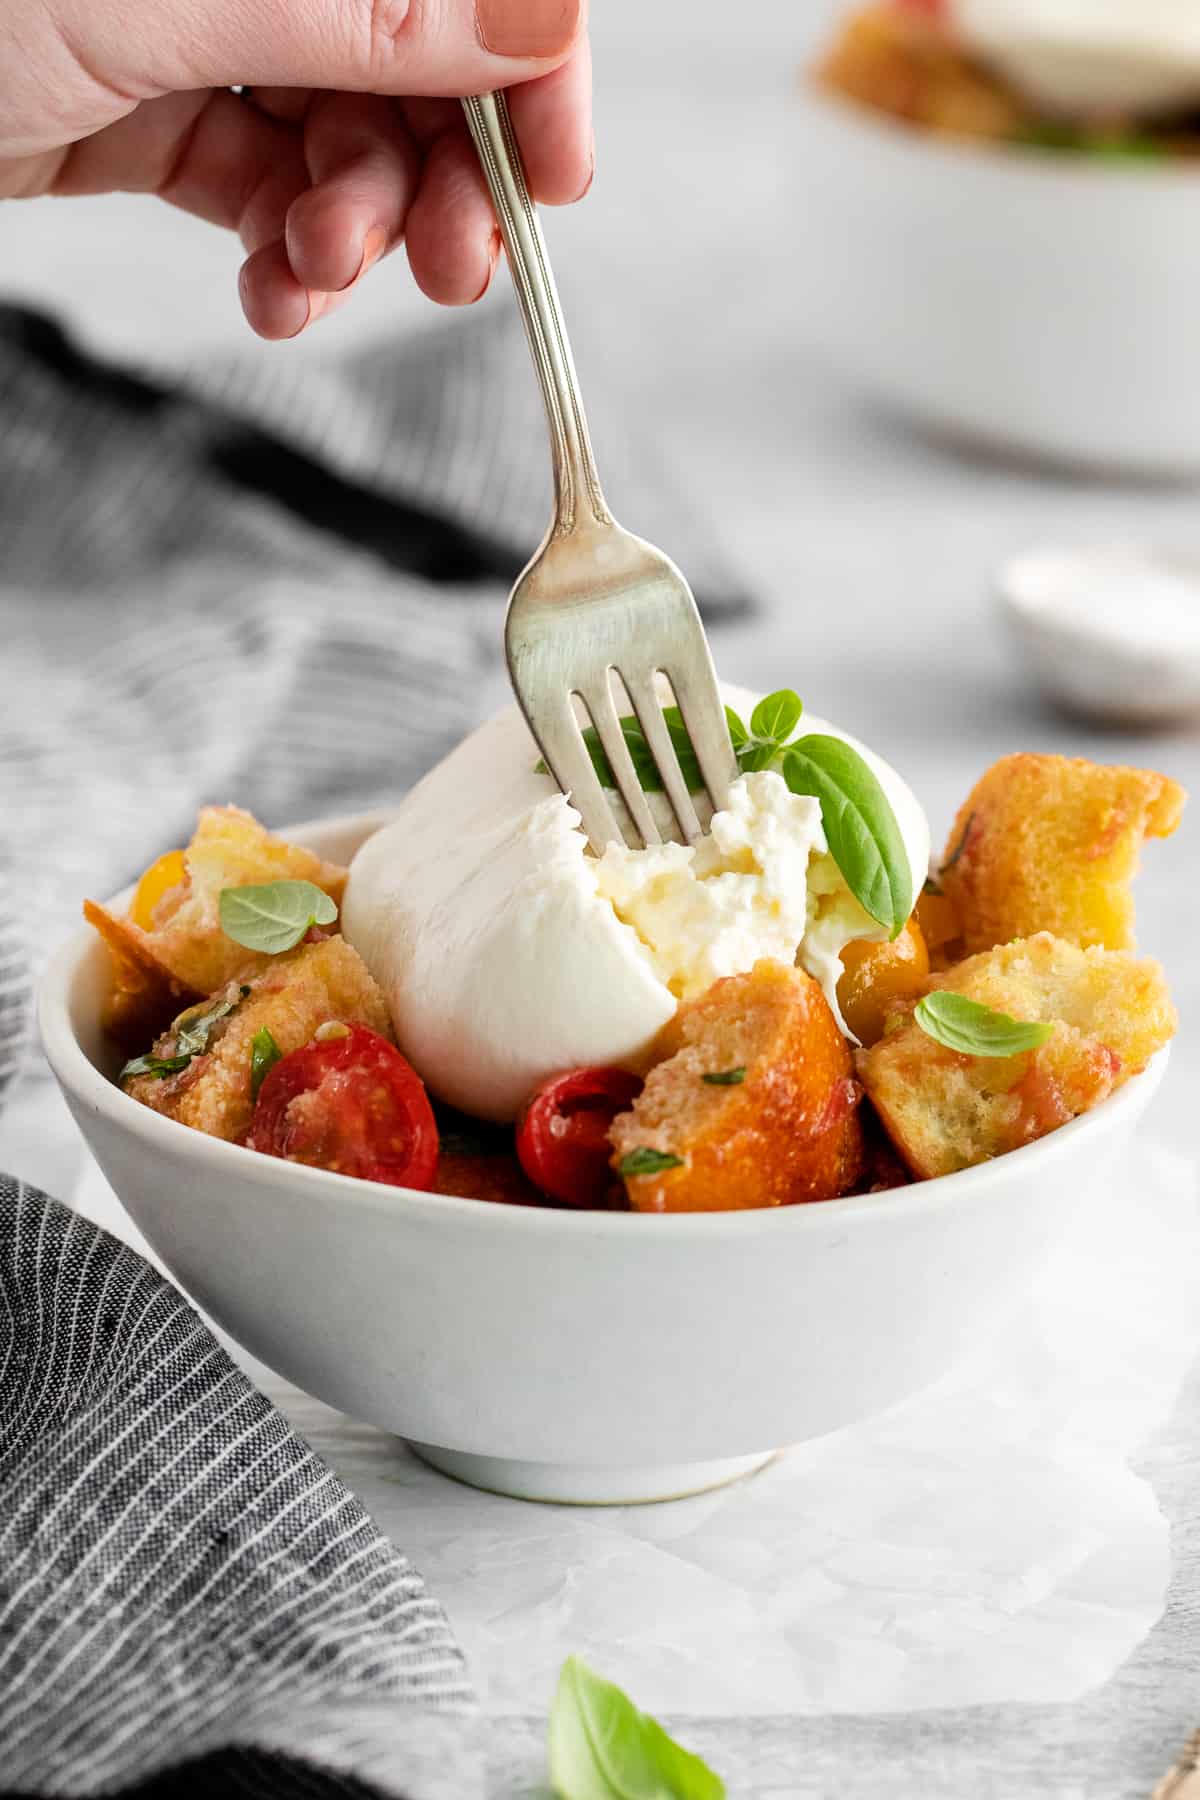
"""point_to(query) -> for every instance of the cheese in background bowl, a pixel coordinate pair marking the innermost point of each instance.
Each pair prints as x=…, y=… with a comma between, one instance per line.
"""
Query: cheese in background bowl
x=507, y=952
x=1080, y=58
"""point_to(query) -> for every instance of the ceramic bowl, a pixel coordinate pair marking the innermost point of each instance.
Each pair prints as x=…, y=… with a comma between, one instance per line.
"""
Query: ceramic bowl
x=1032, y=302
x=588, y=1357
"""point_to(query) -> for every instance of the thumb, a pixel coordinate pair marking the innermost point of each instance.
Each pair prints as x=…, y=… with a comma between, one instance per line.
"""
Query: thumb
x=435, y=47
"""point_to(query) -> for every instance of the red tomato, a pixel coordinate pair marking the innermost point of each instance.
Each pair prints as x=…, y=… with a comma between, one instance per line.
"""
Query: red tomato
x=351, y=1104
x=562, y=1134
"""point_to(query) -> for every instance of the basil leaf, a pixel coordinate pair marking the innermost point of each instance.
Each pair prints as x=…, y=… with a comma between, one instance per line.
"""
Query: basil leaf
x=191, y=1038
x=860, y=826
x=754, y=755
x=602, y=1748
x=725, y=1078
x=264, y=1054
x=974, y=1029
x=273, y=916
x=777, y=716
x=644, y=1161
x=737, y=731
x=157, y=1066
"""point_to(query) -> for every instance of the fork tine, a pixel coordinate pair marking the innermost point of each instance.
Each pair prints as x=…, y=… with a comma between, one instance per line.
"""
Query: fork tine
x=699, y=700
x=560, y=740
x=599, y=702
x=648, y=708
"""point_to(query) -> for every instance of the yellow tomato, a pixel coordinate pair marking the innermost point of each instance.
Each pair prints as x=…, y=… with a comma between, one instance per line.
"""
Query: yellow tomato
x=158, y=880
x=875, y=975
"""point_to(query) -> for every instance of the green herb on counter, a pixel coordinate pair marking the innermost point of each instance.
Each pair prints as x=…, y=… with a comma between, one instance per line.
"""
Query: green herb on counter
x=602, y=1748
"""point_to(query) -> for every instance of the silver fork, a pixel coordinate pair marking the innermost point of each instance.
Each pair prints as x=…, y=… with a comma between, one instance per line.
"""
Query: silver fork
x=595, y=600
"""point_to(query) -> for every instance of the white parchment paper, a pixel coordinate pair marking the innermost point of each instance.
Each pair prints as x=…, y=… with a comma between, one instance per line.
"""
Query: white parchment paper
x=988, y=1541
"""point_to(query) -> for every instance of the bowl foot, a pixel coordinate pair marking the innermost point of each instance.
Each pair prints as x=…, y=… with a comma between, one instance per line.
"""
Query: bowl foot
x=570, y=1484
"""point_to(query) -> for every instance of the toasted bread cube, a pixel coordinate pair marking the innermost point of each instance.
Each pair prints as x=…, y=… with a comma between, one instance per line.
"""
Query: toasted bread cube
x=874, y=976
x=945, y=1111
x=185, y=939
x=307, y=987
x=143, y=996
x=1051, y=843
x=787, y=1131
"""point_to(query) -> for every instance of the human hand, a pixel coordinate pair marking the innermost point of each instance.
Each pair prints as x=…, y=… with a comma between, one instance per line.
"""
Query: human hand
x=348, y=142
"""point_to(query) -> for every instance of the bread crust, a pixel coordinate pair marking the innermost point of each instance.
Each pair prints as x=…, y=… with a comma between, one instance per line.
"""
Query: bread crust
x=788, y=1132
x=1052, y=843
x=946, y=1111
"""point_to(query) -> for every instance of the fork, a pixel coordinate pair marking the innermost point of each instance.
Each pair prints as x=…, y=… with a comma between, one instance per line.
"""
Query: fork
x=595, y=601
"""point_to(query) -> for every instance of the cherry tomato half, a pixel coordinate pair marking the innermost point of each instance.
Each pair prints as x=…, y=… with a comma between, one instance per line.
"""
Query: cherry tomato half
x=562, y=1133
x=351, y=1104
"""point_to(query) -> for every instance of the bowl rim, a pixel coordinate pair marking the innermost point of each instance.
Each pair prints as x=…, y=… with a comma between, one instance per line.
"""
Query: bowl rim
x=79, y=1078
x=1033, y=161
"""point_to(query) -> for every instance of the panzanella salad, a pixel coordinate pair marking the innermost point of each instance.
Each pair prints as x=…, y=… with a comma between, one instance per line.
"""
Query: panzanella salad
x=1116, y=80
x=791, y=1009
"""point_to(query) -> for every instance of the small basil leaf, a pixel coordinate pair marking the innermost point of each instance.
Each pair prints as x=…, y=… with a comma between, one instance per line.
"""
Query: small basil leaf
x=776, y=717
x=737, y=731
x=264, y=1054
x=602, y=1748
x=158, y=1066
x=754, y=754
x=193, y=1029
x=725, y=1078
x=860, y=826
x=644, y=1161
x=273, y=916
x=974, y=1029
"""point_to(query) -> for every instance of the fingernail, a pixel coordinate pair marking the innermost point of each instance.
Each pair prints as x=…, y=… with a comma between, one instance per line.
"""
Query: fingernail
x=495, y=245
x=586, y=189
x=527, y=27
x=374, y=245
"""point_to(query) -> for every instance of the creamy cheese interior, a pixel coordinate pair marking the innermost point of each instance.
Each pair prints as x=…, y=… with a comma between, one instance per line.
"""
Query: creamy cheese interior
x=741, y=893
x=508, y=953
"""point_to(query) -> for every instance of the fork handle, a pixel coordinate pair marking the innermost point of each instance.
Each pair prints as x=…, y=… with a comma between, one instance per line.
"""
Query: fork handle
x=576, y=484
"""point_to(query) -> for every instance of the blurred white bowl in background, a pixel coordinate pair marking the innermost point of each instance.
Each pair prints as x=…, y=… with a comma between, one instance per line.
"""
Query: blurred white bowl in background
x=1038, y=303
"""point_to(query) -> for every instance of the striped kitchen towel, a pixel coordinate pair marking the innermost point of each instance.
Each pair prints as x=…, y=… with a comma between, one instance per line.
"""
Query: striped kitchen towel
x=189, y=1599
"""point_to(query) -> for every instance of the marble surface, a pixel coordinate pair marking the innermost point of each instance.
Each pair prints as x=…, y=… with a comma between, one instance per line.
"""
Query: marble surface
x=873, y=549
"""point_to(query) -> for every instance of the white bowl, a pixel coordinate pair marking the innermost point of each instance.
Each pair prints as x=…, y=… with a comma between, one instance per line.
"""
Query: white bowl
x=1034, y=302
x=1111, y=633
x=595, y=1357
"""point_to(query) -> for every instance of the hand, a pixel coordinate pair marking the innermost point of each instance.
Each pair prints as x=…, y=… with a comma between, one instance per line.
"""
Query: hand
x=347, y=142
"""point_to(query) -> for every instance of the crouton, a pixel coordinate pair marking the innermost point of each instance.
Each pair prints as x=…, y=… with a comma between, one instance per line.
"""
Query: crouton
x=296, y=993
x=875, y=975
x=180, y=930
x=776, y=1120
x=945, y=1110
x=1050, y=843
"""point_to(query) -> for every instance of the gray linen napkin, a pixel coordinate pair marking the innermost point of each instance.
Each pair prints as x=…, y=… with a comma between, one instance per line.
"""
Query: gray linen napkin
x=286, y=591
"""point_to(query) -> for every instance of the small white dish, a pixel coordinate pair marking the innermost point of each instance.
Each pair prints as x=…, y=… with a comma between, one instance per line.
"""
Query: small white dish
x=1031, y=302
x=579, y=1357
x=1111, y=633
